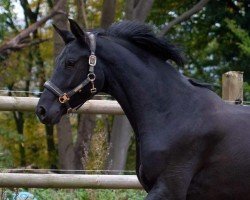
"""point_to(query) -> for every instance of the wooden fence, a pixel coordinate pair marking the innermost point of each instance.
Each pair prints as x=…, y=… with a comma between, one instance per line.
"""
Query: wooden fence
x=8, y=103
x=232, y=90
x=16, y=180
x=232, y=84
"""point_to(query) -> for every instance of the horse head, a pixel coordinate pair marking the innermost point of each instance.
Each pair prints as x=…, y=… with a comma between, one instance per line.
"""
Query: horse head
x=76, y=78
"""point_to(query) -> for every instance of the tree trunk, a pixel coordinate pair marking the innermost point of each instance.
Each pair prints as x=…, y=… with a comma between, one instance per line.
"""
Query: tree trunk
x=51, y=149
x=120, y=135
x=129, y=8
x=119, y=138
x=138, y=9
x=61, y=21
x=81, y=16
x=108, y=13
x=119, y=143
x=65, y=140
x=65, y=145
x=142, y=10
x=86, y=122
x=18, y=116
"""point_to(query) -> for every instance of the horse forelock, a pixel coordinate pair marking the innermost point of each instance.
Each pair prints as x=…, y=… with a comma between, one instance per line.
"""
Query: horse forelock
x=143, y=36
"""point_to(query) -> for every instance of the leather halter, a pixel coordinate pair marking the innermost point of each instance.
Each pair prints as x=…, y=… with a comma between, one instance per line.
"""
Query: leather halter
x=64, y=97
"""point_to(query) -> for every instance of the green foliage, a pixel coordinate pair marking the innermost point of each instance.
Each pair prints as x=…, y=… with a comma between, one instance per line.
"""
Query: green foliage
x=7, y=17
x=6, y=160
x=246, y=89
x=83, y=194
x=211, y=47
x=9, y=139
x=33, y=141
x=243, y=35
x=164, y=11
x=120, y=195
x=16, y=69
x=50, y=194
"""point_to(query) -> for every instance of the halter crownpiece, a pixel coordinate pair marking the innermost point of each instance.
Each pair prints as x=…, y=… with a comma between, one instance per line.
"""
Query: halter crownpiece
x=64, y=97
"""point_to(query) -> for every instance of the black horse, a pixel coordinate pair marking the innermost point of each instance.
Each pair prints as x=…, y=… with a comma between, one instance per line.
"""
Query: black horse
x=190, y=144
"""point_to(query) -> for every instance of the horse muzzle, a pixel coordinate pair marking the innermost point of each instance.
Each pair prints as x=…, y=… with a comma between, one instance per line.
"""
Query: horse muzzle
x=49, y=116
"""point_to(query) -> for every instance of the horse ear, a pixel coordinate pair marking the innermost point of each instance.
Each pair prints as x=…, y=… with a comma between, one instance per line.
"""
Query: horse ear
x=66, y=35
x=76, y=30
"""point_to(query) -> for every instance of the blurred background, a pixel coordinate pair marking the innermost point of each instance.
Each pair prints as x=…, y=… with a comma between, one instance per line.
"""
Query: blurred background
x=214, y=35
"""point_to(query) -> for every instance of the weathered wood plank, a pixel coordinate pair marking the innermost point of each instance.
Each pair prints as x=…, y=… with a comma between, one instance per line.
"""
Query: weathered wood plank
x=16, y=180
x=29, y=103
x=232, y=87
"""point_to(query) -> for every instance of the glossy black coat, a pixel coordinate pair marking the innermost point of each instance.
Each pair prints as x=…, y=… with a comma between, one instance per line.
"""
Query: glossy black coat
x=190, y=144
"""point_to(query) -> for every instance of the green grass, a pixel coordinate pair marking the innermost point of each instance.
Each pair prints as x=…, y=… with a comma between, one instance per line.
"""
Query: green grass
x=82, y=194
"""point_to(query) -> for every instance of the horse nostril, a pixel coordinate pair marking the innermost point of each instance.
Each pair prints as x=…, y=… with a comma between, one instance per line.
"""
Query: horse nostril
x=41, y=111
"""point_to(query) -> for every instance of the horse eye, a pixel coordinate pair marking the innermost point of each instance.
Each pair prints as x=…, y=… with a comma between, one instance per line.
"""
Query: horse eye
x=70, y=63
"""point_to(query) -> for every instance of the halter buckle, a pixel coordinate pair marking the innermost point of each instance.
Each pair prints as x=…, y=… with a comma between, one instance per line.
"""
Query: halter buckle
x=64, y=98
x=92, y=60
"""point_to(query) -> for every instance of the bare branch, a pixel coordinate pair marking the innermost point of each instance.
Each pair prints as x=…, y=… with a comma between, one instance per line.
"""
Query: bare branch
x=185, y=16
x=35, y=42
x=15, y=42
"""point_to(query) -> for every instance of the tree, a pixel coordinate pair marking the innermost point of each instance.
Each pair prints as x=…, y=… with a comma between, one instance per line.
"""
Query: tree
x=184, y=16
x=33, y=60
x=121, y=131
x=108, y=13
x=19, y=42
x=242, y=35
x=138, y=9
x=86, y=122
x=64, y=132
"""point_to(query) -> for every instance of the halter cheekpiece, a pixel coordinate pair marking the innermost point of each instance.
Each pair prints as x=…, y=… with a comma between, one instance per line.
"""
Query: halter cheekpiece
x=64, y=97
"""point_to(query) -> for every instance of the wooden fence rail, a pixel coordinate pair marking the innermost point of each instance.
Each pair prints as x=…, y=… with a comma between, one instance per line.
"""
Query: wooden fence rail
x=8, y=103
x=232, y=90
x=15, y=180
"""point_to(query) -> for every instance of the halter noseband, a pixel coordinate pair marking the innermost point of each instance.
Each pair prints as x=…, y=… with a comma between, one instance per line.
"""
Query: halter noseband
x=65, y=97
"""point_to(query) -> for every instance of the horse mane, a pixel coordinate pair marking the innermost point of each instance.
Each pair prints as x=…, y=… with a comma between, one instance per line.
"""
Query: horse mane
x=143, y=36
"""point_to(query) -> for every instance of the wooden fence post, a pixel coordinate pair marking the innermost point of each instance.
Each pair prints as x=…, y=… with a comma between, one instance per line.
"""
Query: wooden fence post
x=232, y=87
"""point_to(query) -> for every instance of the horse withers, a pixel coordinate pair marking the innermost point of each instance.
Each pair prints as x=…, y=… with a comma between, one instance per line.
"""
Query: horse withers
x=189, y=143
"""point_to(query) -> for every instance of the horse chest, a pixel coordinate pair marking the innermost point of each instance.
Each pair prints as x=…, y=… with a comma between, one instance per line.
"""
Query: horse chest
x=167, y=152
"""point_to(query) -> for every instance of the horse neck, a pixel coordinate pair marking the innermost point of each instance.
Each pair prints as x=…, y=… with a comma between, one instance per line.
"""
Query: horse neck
x=147, y=88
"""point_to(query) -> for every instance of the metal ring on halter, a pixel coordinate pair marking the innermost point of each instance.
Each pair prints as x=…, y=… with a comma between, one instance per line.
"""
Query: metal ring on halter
x=91, y=77
x=64, y=98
